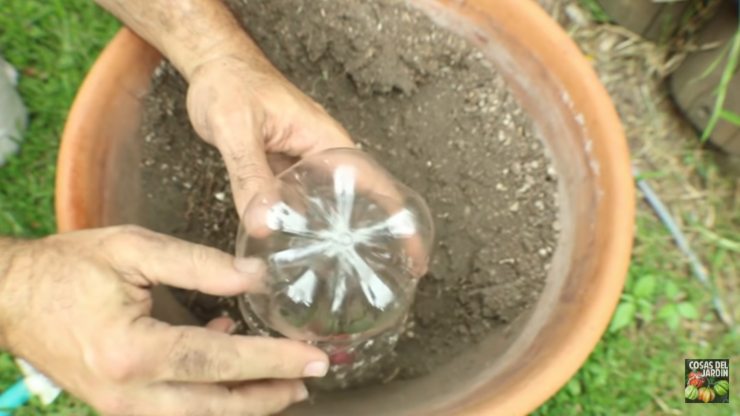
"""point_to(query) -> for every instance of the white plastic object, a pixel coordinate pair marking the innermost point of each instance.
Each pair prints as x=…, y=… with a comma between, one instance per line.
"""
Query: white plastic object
x=345, y=245
x=13, y=115
x=38, y=384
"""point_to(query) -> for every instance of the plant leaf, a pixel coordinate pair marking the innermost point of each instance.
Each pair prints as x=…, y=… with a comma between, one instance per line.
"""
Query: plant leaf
x=574, y=387
x=626, y=297
x=669, y=313
x=671, y=290
x=645, y=287
x=596, y=11
x=724, y=85
x=646, y=311
x=687, y=310
x=624, y=316
x=673, y=322
x=715, y=64
x=667, y=310
x=729, y=116
x=720, y=241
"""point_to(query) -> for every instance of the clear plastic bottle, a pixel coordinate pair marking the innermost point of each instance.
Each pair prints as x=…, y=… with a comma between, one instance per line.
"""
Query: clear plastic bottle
x=345, y=244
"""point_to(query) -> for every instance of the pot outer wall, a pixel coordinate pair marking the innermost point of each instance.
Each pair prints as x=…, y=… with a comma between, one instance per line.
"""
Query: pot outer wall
x=97, y=185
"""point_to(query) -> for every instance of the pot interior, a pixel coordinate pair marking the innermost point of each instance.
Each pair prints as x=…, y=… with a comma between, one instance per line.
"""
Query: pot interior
x=560, y=113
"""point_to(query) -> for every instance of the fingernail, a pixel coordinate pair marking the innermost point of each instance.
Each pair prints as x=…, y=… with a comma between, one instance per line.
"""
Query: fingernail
x=316, y=369
x=301, y=393
x=249, y=265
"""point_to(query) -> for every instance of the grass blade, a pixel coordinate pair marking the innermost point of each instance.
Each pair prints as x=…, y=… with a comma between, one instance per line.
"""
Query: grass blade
x=723, y=86
x=730, y=117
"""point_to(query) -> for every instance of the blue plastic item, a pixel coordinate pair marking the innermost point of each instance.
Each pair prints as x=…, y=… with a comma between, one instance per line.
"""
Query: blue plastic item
x=14, y=397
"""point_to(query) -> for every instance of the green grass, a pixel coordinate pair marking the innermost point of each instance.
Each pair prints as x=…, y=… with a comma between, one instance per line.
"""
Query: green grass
x=53, y=43
x=597, y=12
x=636, y=369
x=728, y=72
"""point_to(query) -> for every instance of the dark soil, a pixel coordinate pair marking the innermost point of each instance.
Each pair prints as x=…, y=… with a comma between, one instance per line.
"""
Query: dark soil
x=433, y=111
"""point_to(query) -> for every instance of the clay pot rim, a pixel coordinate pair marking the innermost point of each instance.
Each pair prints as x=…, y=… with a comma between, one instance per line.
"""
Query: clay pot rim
x=576, y=73
x=604, y=125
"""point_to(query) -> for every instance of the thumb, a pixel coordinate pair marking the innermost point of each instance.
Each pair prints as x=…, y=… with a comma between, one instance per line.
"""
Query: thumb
x=246, y=161
x=253, y=183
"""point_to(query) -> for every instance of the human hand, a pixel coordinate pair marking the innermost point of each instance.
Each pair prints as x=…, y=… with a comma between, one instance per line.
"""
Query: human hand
x=262, y=123
x=77, y=306
x=237, y=100
x=259, y=121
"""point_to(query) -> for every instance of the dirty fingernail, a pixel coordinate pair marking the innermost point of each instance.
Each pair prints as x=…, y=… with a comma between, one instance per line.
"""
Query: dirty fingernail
x=249, y=265
x=301, y=393
x=316, y=369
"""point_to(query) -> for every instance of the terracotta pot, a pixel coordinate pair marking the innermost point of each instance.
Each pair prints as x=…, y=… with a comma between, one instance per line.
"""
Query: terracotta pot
x=506, y=374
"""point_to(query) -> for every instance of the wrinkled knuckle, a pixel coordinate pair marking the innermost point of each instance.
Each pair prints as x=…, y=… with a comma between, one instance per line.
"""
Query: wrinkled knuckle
x=243, y=160
x=226, y=369
x=201, y=255
x=121, y=370
x=248, y=177
x=185, y=361
x=222, y=367
x=248, y=173
x=117, y=365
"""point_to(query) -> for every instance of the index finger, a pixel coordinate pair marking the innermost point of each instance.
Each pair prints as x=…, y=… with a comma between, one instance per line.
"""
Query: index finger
x=158, y=258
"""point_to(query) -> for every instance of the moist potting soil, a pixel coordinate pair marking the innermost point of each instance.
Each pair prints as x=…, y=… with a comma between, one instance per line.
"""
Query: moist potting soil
x=435, y=113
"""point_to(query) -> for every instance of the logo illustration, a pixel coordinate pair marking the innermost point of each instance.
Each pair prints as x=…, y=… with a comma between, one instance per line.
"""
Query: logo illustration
x=707, y=380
